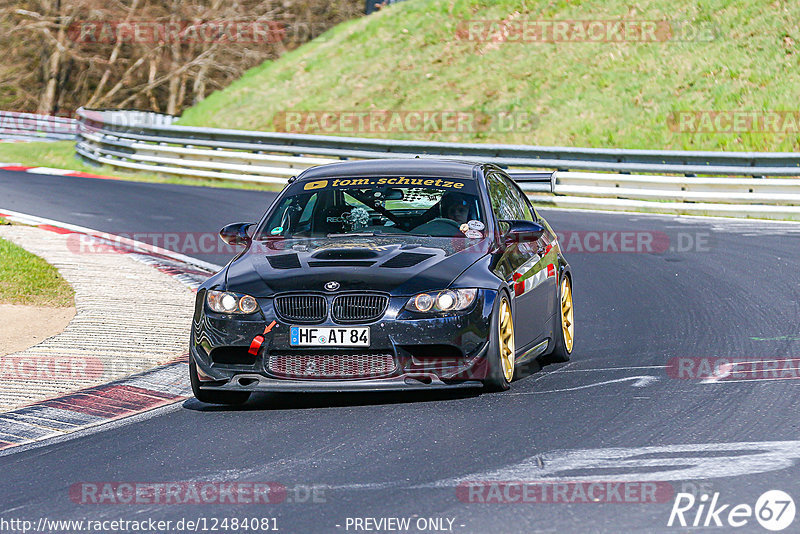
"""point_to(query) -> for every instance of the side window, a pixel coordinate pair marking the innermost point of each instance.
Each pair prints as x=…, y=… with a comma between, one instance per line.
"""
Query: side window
x=519, y=200
x=507, y=201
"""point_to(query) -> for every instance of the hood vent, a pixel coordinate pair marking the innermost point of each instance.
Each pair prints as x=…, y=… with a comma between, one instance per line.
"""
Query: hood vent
x=341, y=263
x=284, y=261
x=345, y=254
x=406, y=259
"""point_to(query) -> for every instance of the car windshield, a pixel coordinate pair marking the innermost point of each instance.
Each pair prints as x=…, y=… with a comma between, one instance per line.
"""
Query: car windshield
x=435, y=207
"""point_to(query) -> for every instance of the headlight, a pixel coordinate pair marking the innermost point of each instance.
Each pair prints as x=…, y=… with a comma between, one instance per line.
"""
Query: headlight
x=227, y=302
x=442, y=301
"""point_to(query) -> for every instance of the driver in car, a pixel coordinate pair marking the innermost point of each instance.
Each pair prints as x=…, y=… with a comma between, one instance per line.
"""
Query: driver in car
x=455, y=206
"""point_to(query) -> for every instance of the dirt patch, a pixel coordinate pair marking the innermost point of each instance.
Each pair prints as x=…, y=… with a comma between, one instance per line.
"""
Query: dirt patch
x=24, y=326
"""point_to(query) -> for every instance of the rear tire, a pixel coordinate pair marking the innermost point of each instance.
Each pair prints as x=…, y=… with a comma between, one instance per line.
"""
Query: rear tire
x=214, y=397
x=501, y=353
x=565, y=326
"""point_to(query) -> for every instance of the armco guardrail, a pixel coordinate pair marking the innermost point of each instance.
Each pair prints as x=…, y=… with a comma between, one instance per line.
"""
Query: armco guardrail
x=679, y=189
x=762, y=198
x=33, y=127
x=125, y=136
x=152, y=142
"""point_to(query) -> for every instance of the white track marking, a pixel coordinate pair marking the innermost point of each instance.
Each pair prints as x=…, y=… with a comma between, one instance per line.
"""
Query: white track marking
x=606, y=369
x=726, y=370
x=640, y=381
x=750, y=380
x=661, y=463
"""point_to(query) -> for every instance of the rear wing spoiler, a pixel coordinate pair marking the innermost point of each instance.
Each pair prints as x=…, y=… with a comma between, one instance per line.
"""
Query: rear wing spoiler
x=535, y=182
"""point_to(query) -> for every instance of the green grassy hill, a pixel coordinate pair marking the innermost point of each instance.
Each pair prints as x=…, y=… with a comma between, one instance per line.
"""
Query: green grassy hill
x=415, y=55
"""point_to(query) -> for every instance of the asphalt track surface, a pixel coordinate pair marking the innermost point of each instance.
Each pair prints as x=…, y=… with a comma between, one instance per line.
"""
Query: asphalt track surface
x=403, y=455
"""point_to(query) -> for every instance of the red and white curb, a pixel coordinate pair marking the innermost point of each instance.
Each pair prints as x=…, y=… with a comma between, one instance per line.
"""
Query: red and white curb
x=94, y=406
x=49, y=170
x=97, y=405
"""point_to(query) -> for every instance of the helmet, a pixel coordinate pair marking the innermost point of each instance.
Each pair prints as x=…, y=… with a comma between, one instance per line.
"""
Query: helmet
x=453, y=201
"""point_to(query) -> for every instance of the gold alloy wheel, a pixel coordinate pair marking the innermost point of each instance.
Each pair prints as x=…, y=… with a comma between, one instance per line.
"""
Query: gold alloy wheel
x=507, y=352
x=567, y=324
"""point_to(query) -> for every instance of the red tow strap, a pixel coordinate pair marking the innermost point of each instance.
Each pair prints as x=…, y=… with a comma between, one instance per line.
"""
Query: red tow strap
x=255, y=345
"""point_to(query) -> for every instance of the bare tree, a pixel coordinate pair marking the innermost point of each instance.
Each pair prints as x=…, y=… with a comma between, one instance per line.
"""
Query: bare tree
x=149, y=54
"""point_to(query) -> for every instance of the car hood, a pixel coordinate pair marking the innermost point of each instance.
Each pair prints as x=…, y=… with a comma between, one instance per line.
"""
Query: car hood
x=397, y=265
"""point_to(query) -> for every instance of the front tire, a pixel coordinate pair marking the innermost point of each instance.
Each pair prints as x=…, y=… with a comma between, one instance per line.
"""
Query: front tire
x=231, y=398
x=502, y=351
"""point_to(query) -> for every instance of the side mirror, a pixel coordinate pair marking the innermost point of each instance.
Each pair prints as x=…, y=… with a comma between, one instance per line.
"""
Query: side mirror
x=236, y=234
x=522, y=232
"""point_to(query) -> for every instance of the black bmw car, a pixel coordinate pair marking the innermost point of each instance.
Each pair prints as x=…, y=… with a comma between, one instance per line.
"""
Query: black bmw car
x=384, y=275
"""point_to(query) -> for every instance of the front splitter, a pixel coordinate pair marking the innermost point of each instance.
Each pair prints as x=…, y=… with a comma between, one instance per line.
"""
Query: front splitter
x=255, y=382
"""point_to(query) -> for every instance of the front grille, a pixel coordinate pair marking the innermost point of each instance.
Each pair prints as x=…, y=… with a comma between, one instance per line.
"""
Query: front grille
x=302, y=308
x=330, y=366
x=359, y=308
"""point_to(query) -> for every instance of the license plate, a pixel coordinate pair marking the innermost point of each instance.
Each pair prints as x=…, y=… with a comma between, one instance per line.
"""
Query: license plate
x=323, y=336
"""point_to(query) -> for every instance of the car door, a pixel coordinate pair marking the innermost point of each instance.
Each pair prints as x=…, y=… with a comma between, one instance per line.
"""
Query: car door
x=520, y=264
x=545, y=283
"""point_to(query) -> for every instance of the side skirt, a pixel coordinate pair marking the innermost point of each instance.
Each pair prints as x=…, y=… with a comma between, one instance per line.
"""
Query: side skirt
x=533, y=352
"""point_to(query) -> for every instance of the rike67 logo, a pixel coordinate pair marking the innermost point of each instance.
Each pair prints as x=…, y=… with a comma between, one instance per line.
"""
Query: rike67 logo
x=774, y=510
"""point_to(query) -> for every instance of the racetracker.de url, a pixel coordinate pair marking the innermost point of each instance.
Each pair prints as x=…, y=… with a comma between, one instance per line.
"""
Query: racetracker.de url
x=199, y=524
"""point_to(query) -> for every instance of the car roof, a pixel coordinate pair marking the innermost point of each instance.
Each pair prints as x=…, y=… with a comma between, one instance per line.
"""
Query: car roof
x=440, y=168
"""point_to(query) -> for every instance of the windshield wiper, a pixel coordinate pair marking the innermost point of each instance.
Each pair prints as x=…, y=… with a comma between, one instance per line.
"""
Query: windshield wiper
x=357, y=234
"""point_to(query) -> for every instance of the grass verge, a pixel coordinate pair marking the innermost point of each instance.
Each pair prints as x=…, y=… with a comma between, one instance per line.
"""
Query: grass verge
x=27, y=279
x=422, y=55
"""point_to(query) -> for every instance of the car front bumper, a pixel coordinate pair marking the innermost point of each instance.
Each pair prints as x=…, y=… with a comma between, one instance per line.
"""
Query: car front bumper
x=442, y=352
